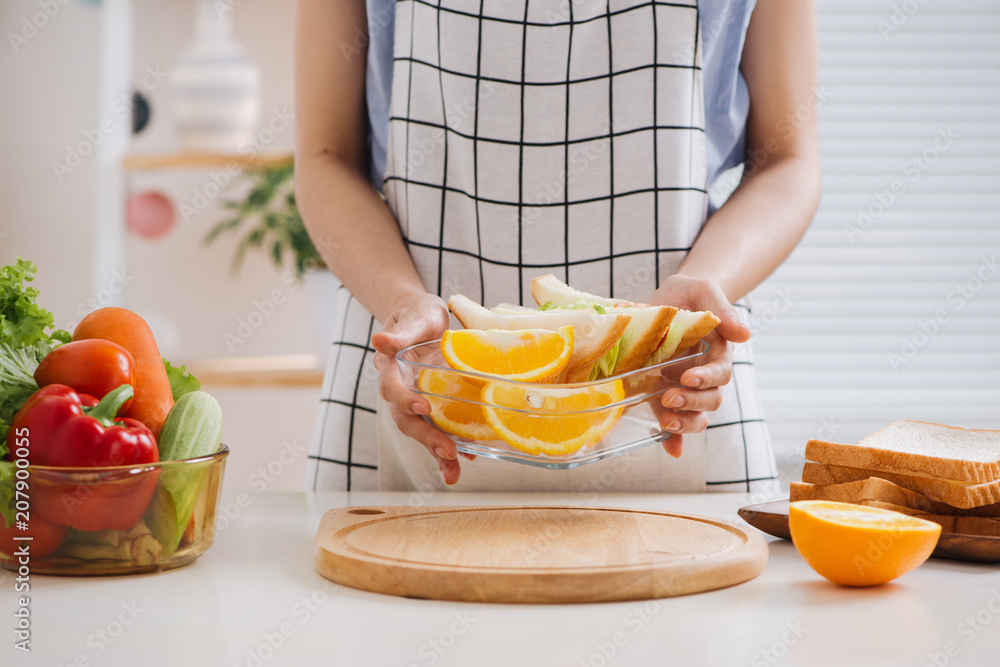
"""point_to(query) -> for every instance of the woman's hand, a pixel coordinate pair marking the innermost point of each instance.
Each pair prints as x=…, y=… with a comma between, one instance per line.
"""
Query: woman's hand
x=687, y=406
x=422, y=318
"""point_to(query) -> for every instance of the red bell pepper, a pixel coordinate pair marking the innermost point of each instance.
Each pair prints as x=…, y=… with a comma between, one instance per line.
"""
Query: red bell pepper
x=65, y=435
x=94, y=367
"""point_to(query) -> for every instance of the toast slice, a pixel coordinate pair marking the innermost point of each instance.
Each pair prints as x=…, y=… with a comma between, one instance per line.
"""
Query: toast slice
x=919, y=449
x=644, y=333
x=687, y=328
x=950, y=523
x=593, y=333
x=956, y=494
x=873, y=488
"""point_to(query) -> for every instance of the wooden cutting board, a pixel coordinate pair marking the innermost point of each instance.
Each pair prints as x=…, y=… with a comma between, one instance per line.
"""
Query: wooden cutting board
x=533, y=554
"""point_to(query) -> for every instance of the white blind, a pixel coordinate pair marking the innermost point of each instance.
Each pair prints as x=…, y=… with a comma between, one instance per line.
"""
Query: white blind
x=890, y=307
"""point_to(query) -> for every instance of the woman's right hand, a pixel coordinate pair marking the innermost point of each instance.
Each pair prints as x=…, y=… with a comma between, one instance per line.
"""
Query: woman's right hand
x=421, y=318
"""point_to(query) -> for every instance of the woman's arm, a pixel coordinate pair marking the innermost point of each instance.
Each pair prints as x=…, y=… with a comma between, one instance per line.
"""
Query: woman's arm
x=351, y=226
x=760, y=224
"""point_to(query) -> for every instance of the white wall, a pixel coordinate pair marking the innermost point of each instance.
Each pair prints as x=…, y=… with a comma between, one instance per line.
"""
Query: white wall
x=48, y=100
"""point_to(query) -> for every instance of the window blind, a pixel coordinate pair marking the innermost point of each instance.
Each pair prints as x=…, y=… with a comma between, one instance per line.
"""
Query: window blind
x=890, y=307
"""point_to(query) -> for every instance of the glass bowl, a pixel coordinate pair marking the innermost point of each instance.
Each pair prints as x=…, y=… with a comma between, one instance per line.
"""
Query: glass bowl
x=556, y=426
x=115, y=519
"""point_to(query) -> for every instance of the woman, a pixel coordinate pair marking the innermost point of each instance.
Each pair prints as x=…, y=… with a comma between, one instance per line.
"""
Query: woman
x=505, y=148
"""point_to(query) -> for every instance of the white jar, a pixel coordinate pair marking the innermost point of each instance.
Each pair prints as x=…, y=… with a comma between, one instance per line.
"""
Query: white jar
x=215, y=86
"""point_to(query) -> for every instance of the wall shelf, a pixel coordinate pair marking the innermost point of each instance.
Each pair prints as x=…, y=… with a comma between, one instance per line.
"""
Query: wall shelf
x=294, y=370
x=152, y=161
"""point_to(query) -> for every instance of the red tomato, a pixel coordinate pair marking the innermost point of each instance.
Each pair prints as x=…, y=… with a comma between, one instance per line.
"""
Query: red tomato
x=47, y=536
x=93, y=367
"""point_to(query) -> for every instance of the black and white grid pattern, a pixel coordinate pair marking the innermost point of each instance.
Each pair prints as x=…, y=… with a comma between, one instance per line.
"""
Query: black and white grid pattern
x=531, y=137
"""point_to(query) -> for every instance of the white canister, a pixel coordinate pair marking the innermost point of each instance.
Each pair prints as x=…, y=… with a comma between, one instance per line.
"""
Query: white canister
x=215, y=86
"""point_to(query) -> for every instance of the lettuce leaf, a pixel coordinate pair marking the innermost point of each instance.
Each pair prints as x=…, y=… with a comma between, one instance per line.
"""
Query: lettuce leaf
x=606, y=366
x=7, y=493
x=181, y=382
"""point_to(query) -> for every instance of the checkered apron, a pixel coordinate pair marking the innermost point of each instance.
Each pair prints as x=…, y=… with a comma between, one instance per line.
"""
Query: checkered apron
x=530, y=137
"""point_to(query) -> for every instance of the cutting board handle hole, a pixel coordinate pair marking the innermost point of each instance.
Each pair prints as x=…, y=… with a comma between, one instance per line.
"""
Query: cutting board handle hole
x=365, y=512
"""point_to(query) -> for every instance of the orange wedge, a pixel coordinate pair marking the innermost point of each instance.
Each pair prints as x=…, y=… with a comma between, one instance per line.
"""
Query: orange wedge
x=855, y=545
x=528, y=355
x=555, y=423
x=455, y=416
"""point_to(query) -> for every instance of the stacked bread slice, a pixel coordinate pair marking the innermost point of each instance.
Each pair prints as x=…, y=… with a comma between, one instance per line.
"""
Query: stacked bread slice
x=941, y=473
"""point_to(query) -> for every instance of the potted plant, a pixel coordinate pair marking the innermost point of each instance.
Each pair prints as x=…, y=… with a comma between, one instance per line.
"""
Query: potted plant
x=270, y=222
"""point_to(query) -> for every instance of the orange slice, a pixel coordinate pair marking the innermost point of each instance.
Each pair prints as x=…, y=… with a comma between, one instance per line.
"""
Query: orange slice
x=456, y=417
x=855, y=545
x=555, y=423
x=528, y=355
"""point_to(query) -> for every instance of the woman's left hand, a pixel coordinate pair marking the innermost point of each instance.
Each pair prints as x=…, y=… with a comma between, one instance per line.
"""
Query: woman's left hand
x=687, y=406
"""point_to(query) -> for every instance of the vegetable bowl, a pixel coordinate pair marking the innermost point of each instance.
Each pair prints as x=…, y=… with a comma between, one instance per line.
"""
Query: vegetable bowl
x=556, y=426
x=156, y=516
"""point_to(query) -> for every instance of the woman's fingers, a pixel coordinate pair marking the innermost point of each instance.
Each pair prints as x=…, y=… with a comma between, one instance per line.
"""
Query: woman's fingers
x=695, y=400
x=717, y=371
x=684, y=422
x=731, y=328
x=395, y=392
x=674, y=445
x=437, y=443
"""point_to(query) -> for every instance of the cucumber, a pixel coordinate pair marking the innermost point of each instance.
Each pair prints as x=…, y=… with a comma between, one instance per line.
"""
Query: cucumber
x=192, y=429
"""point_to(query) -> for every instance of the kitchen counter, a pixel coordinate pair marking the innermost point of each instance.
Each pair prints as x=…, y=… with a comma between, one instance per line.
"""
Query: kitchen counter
x=254, y=599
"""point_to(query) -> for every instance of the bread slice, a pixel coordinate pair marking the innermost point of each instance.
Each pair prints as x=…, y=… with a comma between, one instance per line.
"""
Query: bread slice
x=956, y=494
x=644, y=333
x=873, y=488
x=919, y=449
x=593, y=333
x=950, y=523
x=687, y=328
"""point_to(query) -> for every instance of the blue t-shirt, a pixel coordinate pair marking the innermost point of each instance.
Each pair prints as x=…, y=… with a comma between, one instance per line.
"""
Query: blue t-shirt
x=727, y=102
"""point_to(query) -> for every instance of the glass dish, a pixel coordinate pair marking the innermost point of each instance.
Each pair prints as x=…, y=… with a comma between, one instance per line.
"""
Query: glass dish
x=126, y=522
x=579, y=423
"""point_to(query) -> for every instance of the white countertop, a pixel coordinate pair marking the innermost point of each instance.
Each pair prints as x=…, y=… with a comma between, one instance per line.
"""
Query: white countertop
x=256, y=587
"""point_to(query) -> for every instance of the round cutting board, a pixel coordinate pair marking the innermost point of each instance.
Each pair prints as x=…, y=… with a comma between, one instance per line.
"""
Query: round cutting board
x=533, y=554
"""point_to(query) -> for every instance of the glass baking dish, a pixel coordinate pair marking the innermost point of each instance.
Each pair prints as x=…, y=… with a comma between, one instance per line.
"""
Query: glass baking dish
x=141, y=528
x=555, y=426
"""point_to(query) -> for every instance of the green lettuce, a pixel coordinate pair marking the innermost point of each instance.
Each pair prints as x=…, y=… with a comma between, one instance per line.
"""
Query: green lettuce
x=578, y=305
x=181, y=382
x=606, y=366
x=24, y=340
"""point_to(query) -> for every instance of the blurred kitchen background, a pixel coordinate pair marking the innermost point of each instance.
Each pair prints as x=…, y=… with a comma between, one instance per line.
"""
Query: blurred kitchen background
x=890, y=308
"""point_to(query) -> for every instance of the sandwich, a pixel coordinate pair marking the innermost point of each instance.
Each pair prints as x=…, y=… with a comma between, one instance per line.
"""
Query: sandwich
x=611, y=336
x=945, y=474
x=595, y=334
x=655, y=334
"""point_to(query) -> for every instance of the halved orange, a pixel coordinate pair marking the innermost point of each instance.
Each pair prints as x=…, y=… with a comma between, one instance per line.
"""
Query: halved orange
x=554, y=422
x=456, y=417
x=526, y=355
x=856, y=545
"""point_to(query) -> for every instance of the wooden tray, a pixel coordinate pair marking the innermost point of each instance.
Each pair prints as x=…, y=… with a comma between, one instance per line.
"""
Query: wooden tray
x=772, y=518
x=535, y=554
